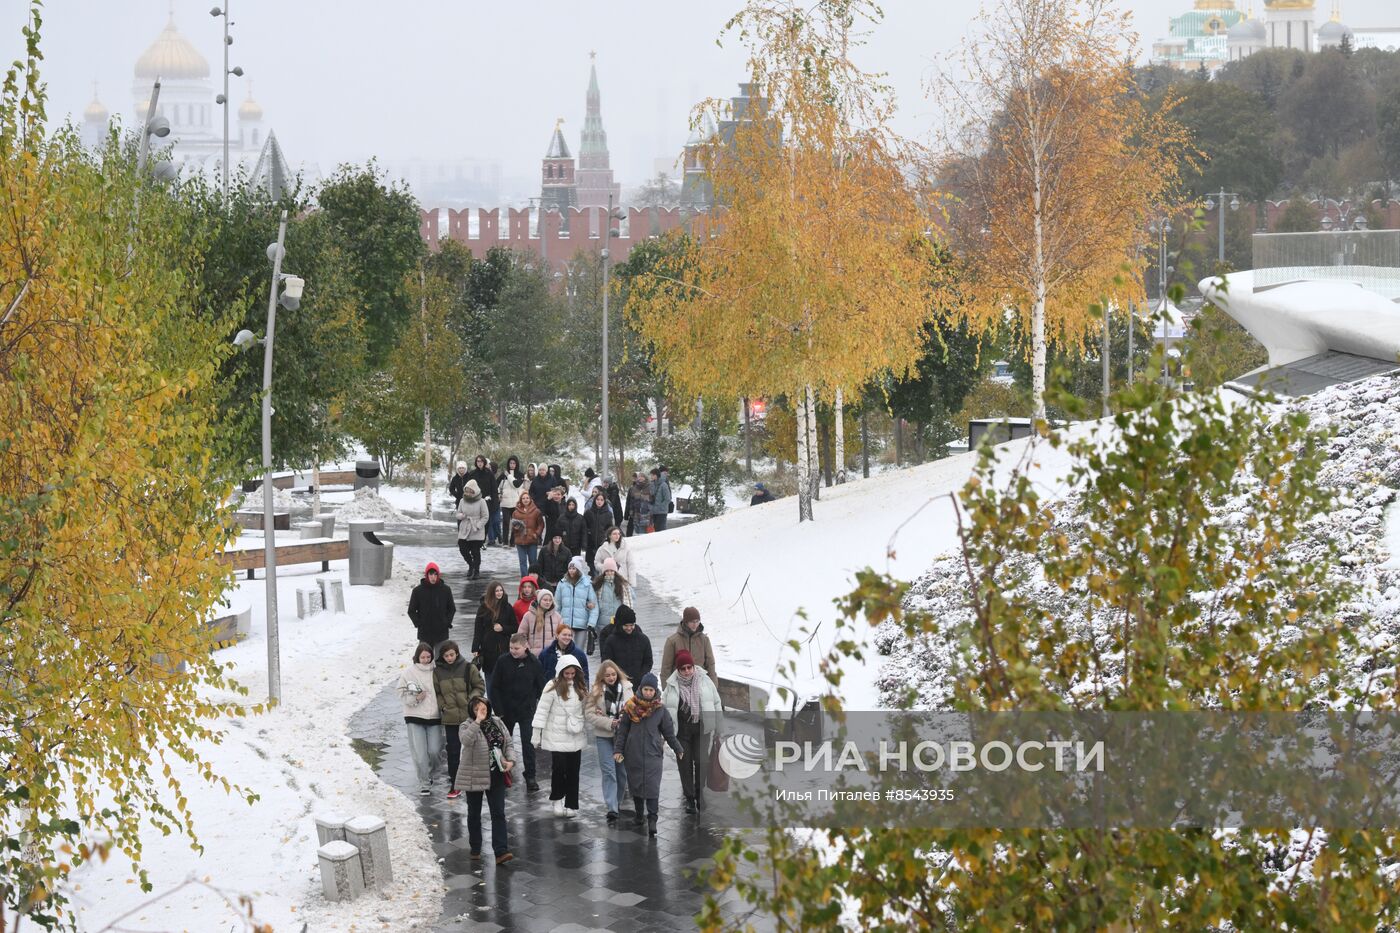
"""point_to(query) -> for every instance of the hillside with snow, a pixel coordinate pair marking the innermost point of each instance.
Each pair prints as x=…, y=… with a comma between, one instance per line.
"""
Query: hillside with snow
x=1362, y=468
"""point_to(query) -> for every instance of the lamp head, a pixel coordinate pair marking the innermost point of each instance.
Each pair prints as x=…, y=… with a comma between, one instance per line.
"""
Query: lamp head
x=216, y=12
x=220, y=99
x=293, y=285
x=1210, y=204
x=244, y=339
x=237, y=71
x=158, y=126
x=165, y=171
x=1234, y=203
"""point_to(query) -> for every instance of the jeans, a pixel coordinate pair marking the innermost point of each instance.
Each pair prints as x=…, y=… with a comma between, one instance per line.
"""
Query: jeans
x=493, y=525
x=425, y=744
x=609, y=769
x=695, y=763
x=563, y=777
x=658, y=521
x=454, y=752
x=496, y=799
x=471, y=553
x=527, y=750
x=527, y=553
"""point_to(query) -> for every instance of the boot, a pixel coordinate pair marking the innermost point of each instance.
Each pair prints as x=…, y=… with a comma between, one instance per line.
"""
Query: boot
x=651, y=824
x=690, y=805
x=559, y=807
x=699, y=800
x=639, y=815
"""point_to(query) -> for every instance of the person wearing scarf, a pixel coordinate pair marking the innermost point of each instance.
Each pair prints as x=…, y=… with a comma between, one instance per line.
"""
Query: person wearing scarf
x=644, y=724
x=606, y=701
x=693, y=700
x=487, y=758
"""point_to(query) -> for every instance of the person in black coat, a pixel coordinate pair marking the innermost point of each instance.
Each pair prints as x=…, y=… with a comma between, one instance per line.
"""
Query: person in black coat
x=598, y=519
x=540, y=485
x=431, y=607
x=628, y=646
x=553, y=510
x=495, y=623
x=516, y=685
x=575, y=531
x=554, y=561
x=459, y=483
x=760, y=494
x=614, y=499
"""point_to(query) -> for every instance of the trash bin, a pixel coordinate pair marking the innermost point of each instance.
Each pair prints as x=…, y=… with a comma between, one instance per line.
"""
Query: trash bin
x=367, y=474
x=371, y=560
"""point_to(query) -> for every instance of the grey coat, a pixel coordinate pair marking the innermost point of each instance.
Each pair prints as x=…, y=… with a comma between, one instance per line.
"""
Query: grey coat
x=643, y=754
x=474, y=772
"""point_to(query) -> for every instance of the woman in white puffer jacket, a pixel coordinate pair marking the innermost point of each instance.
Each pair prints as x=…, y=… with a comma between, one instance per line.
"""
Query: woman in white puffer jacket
x=562, y=729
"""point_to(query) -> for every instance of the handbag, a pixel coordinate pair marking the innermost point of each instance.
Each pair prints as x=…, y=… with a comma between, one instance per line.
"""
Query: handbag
x=717, y=780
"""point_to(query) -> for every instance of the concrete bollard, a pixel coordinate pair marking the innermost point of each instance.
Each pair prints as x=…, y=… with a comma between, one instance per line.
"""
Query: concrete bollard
x=309, y=530
x=330, y=828
x=308, y=602
x=327, y=520
x=342, y=878
x=332, y=594
x=367, y=833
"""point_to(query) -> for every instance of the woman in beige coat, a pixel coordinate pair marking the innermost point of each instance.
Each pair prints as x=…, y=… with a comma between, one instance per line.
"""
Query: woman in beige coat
x=488, y=755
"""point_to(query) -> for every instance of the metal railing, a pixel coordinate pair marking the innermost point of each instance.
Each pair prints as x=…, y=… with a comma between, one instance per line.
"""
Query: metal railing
x=1369, y=258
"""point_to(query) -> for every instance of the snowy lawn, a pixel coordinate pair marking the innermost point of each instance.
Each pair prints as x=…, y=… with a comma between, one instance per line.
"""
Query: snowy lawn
x=750, y=570
x=298, y=759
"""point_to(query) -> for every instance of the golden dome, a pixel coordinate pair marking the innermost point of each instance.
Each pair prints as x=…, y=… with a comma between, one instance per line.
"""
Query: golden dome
x=1290, y=4
x=1215, y=4
x=250, y=109
x=95, y=111
x=171, y=57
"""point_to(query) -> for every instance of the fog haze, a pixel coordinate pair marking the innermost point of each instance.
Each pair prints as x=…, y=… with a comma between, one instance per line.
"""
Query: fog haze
x=344, y=80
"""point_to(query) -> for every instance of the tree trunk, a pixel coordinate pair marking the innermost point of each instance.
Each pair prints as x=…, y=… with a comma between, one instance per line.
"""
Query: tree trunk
x=899, y=442
x=427, y=464
x=316, y=485
x=504, y=431
x=529, y=413
x=748, y=439
x=813, y=448
x=864, y=443
x=1107, y=377
x=840, y=461
x=660, y=416
x=824, y=453
x=1038, y=309
x=804, y=464
x=918, y=442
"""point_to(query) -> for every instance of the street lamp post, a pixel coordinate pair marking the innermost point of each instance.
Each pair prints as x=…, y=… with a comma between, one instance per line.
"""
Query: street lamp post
x=1218, y=200
x=1160, y=228
x=222, y=99
x=608, y=234
x=1350, y=218
x=290, y=299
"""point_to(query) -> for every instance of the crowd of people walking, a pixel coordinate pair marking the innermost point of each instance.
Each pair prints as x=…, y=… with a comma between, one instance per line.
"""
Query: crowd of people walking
x=528, y=667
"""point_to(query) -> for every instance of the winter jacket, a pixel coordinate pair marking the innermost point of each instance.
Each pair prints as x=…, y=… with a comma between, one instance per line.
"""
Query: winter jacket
x=761, y=497
x=578, y=604
x=509, y=489
x=575, y=531
x=608, y=602
x=471, y=517
x=540, y=632
x=486, y=482
x=551, y=656
x=711, y=706
x=455, y=684
x=619, y=552
x=642, y=752
x=540, y=486
x=532, y=520
x=487, y=643
x=418, y=695
x=598, y=521
x=598, y=716
x=553, y=565
x=615, y=502
x=474, y=772
x=699, y=647
x=431, y=608
x=632, y=652
x=560, y=725
x=521, y=604
x=661, y=500
x=639, y=505
x=454, y=485
x=515, y=686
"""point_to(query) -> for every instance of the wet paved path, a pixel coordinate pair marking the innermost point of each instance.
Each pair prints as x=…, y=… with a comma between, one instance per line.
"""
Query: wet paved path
x=569, y=874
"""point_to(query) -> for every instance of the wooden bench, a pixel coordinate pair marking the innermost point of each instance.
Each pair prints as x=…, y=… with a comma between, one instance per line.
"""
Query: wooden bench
x=253, y=520
x=289, y=481
x=317, y=550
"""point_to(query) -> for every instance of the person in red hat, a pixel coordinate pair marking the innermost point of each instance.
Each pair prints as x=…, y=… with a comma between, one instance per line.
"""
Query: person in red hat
x=693, y=701
x=431, y=607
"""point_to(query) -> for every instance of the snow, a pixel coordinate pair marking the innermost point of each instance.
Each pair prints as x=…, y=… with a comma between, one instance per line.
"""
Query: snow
x=750, y=570
x=367, y=505
x=282, y=500
x=297, y=759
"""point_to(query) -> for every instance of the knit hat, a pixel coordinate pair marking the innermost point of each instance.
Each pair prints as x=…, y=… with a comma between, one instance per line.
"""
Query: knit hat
x=691, y=614
x=609, y=564
x=760, y=487
x=684, y=659
x=624, y=616
x=461, y=464
x=581, y=564
x=473, y=488
x=589, y=474
x=649, y=680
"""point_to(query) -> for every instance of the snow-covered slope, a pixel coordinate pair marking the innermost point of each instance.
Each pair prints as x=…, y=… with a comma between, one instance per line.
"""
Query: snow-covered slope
x=749, y=571
x=1363, y=467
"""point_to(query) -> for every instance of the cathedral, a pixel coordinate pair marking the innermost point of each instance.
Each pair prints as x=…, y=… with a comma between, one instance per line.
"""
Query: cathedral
x=187, y=100
x=1216, y=32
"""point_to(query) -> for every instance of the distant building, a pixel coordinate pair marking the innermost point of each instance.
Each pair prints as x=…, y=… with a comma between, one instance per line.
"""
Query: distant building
x=448, y=182
x=1197, y=38
x=594, y=175
x=697, y=193
x=558, y=187
x=1215, y=32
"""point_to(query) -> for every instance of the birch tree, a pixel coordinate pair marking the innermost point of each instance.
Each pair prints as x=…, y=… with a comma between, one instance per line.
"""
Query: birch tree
x=1056, y=162
x=812, y=277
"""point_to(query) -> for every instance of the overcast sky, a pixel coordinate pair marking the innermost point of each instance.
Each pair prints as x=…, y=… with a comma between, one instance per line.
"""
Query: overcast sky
x=342, y=80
